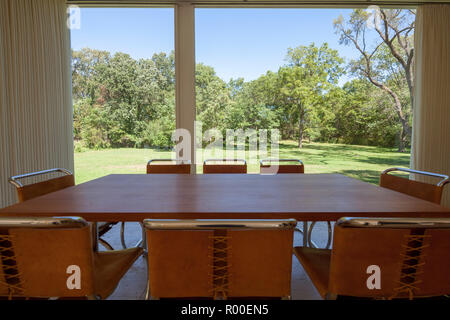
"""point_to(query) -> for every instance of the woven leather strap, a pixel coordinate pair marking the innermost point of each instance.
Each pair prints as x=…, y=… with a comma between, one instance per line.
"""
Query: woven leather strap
x=412, y=261
x=220, y=266
x=12, y=276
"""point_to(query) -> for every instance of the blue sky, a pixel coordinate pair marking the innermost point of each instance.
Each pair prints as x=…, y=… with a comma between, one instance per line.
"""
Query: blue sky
x=236, y=42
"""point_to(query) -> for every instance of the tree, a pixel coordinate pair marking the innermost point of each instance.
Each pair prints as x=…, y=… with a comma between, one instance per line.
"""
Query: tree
x=123, y=102
x=84, y=71
x=212, y=97
x=394, y=28
x=120, y=101
x=310, y=72
x=362, y=114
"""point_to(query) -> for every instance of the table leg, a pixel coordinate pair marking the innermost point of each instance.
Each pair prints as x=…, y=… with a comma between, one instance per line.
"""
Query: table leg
x=95, y=236
x=147, y=288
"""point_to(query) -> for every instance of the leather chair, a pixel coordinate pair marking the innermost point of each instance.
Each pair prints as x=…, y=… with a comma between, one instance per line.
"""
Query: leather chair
x=166, y=166
x=425, y=191
x=266, y=167
x=33, y=190
x=219, y=259
x=224, y=167
x=411, y=254
x=160, y=166
x=54, y=257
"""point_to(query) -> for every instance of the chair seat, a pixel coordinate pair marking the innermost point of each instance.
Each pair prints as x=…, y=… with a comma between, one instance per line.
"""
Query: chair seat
x=110, y=267
x=316, y=263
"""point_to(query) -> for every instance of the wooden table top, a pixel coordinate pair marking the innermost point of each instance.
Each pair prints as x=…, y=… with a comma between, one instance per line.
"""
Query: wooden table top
x=311, y=197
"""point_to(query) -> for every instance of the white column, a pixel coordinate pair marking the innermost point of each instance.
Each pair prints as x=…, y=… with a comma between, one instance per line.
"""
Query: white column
x=185, y=71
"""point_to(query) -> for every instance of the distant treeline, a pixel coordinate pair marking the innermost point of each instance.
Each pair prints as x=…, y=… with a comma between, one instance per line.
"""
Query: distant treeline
x=123, y=102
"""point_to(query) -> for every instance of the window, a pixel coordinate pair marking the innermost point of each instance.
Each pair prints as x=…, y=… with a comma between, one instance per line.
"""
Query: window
x=123, y=76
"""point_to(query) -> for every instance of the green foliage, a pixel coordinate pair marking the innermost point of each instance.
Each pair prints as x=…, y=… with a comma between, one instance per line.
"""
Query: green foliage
x=123, y=102
x=212, y=97
x=362, y=115
x=386, y=62
x=158, y=133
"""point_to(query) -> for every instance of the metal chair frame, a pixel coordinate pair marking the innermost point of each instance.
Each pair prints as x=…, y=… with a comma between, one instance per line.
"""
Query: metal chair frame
x=43, y=222
x=14, y=180
x=54, y=222
x=169, y=160
x=398, y=223
x=444, y=180
x=280, y=160
x=441, y=183
x=225, y=160
x=122, y=226
x=390, y=223
x=307, y=232
x=214, y=224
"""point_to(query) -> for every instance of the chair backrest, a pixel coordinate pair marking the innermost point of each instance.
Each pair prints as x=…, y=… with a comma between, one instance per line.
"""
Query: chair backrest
x=267, y=167
x=219, y=258
x=225, y=167
x=39, y=255
x=421, y=190
x=30, y=191
x=164, y=166
x=412, y=255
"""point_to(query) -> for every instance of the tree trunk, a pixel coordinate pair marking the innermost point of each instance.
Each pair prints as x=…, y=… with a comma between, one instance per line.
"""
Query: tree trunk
x=403, y=137
x=301, y=120
x=404, y=119
x=300, y=138
x=401, y=141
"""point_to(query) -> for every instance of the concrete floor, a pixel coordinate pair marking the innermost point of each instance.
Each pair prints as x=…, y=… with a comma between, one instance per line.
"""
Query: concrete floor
x=133, y=284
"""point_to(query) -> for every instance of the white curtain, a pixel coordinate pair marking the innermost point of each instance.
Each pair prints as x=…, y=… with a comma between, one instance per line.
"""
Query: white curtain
x=431, y=136
x=35, y=90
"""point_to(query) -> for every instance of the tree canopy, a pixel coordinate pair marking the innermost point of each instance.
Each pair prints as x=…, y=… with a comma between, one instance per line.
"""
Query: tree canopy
x=124, y=102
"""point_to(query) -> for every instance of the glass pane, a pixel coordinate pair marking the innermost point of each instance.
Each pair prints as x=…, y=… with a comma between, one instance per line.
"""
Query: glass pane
x=298, y=71
x=123, y=78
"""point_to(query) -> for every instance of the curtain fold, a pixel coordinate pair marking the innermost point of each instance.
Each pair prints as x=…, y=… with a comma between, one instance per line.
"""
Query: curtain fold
x=35, y=90
x=431, y=135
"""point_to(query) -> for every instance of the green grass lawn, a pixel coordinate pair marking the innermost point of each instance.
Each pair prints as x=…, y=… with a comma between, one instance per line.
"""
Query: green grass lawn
x=361, y=162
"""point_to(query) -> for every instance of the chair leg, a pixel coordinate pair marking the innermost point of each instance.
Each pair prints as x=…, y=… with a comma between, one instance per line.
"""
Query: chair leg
x=331, y=296
x=147, y=289
x=95, y=236
x=141, y=243
x=105, y=244
x=330, y=235
x=298, y=230
x=304, y=232
x=122, y=235
x=147, y=292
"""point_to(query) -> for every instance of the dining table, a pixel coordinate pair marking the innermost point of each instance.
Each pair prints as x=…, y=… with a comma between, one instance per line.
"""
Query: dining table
x=304, y=197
